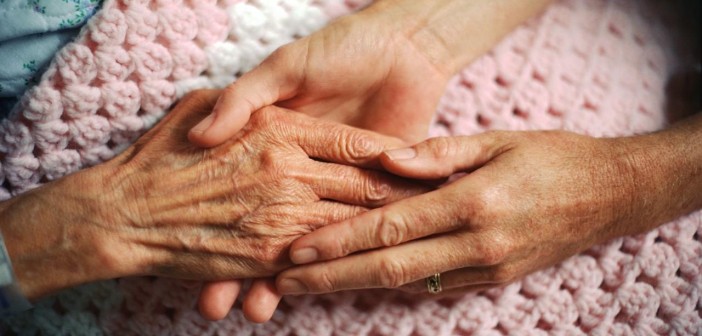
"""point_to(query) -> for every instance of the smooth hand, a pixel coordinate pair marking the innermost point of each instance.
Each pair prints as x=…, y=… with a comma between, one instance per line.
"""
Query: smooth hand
x=361, y=70
x=382, y=69
x=528, y=201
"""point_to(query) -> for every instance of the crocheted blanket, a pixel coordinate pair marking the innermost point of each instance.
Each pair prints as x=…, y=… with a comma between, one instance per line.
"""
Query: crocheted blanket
x=594, y=67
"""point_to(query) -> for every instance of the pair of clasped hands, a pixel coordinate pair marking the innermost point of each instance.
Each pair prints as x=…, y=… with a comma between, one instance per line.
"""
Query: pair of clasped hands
x=527, y=201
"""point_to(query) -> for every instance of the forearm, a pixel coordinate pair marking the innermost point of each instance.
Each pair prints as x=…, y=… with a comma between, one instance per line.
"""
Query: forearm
x=665, y=174
x=455, y=32
x=50, y=240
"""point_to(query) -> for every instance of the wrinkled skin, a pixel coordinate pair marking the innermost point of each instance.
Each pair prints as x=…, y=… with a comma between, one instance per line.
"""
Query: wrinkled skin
x=233, y=209
x=165, y=207
x=445, y=35
x=529, y=200
x=383, y=69
x=358, y=71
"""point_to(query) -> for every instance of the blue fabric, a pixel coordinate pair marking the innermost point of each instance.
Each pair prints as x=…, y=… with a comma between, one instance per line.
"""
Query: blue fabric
x=31, y=32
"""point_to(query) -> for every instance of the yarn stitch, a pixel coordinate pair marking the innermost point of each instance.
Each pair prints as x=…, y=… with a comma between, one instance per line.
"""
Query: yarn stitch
x=593, y=67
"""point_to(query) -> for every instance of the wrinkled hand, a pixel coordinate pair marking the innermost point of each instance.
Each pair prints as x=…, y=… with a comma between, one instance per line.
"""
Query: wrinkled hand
x=528, y=201
x=231, y=211
x=361, y=70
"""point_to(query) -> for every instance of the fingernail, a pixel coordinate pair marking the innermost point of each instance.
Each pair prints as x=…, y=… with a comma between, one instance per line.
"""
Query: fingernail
x=401, y=154
x=291, y=287
x=304, y=255
x=204, y=124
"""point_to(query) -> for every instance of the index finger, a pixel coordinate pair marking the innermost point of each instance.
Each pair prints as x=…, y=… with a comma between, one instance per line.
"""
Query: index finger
x=338, y=143
x=415, y=217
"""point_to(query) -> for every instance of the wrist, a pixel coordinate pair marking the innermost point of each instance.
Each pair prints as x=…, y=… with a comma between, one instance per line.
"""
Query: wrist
x=51, y=237
x=12, y=299
x=412, y=22
x=676, y=156
x=453, y=33
x=663, y=174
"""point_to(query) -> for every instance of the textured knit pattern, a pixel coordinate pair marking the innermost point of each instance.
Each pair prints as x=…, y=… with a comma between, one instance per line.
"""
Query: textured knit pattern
x=593, y=67
x=126, y=69
x=107, y=88
x=31, y=33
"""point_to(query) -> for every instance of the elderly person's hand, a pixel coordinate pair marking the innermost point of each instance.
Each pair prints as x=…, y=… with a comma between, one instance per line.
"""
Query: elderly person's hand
x=528, y=201
x=362, y=70
x=167, y=208
x=382, y=69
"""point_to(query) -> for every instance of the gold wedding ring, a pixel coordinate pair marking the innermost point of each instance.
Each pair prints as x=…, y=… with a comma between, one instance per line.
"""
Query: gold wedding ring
x=434, y=283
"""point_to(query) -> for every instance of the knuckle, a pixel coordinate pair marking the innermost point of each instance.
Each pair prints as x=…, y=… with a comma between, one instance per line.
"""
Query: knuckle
x=442, y=147
x=279, y=166
x=326, y=282
x=270, y=253
x=391, y=273
x=188, y=243
x=268, y=117
x=490, y=256
x=392, y=229
x=488, y=205
x=502, y=274
x=339, y=249
x=273, y=165
x=281, y=59
x=104, y=247
x=359, y=147
x=376, y=190
x=230, y=90
x=493, y=251
x=266, y=256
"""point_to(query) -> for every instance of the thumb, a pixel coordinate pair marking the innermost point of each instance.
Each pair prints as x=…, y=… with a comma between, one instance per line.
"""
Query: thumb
x=273, y=80
x=441, y=157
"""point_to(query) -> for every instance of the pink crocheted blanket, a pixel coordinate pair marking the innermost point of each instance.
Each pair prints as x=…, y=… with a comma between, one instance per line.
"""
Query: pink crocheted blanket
x=593, y=67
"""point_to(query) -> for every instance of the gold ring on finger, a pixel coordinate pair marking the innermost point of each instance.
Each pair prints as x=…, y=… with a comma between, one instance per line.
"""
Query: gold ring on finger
x=434, y=283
